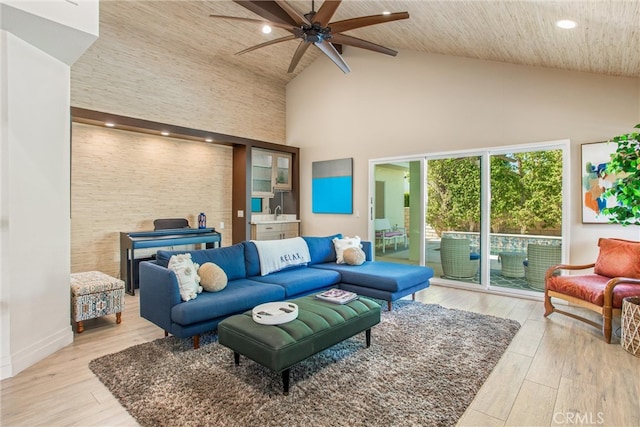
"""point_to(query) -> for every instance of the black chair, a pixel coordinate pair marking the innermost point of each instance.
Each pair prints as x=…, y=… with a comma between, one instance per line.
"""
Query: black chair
x=167, y=223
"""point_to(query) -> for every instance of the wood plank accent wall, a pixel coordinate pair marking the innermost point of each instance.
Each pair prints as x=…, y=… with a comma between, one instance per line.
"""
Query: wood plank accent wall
x=122, y=181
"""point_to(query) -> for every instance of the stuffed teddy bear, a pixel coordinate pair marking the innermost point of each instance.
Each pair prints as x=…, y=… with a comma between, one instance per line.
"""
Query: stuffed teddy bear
x=212, y=277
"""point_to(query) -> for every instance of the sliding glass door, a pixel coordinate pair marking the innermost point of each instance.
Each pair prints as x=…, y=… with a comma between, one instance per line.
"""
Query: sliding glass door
x=526, y=217
x=453, y=217
x=492, y=219
x=397, y=215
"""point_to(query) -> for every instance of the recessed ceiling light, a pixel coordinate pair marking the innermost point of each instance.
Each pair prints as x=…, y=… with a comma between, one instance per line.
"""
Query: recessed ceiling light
x=266, y=29
x=386, y=12
x=208, y=140
x=110, y=125
x=164, y=133
x=566, y=24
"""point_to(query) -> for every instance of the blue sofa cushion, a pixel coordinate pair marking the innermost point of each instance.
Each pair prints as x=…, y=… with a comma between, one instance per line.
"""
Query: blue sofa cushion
x=387, y=276
x=239, y=295
x=301, y=280
x=321, y=249
x=229, y=258
x=251, y=259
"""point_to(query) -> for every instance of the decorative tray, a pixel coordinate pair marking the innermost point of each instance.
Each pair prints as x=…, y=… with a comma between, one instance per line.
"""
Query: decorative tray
x=275, y=313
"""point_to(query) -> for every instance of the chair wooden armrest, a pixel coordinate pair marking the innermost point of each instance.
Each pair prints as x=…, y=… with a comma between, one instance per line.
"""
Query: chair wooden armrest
x=551, y=270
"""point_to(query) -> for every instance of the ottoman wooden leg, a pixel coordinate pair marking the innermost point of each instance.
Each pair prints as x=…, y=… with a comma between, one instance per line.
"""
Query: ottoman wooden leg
x=119, y=318
x=367, y=335
x=285, y=380
x=79, y=327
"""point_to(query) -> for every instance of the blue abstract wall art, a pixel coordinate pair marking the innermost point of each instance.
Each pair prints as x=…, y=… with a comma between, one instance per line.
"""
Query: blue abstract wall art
x=332, y=186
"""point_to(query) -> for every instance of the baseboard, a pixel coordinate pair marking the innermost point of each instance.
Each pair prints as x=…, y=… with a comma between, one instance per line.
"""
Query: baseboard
x=35, y=352
x=5, y=368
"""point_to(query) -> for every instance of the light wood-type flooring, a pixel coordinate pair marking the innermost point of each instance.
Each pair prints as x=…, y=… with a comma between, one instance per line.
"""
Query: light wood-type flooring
x=557, y=371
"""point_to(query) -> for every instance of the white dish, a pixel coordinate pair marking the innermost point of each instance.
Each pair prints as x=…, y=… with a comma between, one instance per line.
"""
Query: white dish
x=275, y=313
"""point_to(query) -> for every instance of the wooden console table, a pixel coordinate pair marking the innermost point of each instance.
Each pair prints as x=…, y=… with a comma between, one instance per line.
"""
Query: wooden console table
x=130, y=241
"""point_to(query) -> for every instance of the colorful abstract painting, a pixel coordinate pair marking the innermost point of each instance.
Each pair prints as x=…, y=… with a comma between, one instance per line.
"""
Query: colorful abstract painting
x=596, y=180
x=332, y=186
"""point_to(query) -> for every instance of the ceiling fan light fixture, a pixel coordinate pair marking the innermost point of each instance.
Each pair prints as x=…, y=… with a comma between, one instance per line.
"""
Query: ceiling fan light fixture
x=313, y=28
x=566, y=24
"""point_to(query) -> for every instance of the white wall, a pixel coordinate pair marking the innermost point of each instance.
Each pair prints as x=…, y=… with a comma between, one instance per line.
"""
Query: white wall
x=34, y=202
x=420, y=103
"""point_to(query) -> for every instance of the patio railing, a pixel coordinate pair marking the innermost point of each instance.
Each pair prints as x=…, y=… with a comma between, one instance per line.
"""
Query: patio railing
x=505, y=242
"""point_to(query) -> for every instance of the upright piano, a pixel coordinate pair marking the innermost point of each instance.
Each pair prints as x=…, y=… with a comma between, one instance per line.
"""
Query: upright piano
x=130, y=241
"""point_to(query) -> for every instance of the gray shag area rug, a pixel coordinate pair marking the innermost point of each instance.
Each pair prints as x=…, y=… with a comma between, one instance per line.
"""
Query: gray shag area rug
x=424, y=367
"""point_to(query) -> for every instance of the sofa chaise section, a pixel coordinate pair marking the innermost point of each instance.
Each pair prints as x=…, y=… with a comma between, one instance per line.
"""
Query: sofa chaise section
x=387, y=281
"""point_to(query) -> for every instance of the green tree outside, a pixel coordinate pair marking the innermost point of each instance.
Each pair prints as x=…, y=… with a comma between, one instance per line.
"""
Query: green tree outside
x=526, y=190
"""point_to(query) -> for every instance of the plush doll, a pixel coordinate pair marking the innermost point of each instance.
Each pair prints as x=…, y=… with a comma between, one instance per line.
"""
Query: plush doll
x=212, y=277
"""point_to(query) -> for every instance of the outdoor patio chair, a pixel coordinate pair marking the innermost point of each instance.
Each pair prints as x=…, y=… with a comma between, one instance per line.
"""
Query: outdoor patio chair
x=616, y=275
x=458, y=262
x=539, y=259
x=386, y=234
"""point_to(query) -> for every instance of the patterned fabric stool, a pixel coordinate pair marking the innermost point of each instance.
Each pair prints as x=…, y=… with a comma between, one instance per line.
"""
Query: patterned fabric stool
x=95, y=294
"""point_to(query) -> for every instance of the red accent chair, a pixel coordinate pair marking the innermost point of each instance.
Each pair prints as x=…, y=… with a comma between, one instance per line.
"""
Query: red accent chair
x=616, y=275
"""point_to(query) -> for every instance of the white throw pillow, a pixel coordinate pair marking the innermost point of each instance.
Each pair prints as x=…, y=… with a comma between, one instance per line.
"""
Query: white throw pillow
x=342, y=244
x=187, y=274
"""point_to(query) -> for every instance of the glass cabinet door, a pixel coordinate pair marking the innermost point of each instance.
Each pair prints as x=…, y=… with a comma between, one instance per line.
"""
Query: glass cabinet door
x=283, y=171
x=261, y=173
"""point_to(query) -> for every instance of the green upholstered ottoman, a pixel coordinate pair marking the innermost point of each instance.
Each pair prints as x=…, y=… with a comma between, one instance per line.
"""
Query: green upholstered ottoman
x=319, y=326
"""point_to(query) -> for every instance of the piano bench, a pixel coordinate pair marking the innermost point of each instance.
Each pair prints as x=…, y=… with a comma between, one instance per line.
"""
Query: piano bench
x=95, y=294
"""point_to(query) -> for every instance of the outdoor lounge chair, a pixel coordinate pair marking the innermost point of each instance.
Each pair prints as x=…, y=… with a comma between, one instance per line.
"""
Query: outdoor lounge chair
x=539, y=259
x=386, y=234
x=458, y=262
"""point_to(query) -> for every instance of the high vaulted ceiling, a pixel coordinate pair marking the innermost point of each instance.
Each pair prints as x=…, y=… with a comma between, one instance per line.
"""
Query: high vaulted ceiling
x=606, y=40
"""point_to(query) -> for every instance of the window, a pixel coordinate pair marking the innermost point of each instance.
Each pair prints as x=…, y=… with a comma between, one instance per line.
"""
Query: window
x=491, y=219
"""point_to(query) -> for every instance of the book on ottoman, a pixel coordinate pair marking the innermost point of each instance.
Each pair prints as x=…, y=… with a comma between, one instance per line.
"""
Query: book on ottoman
x=337, y=296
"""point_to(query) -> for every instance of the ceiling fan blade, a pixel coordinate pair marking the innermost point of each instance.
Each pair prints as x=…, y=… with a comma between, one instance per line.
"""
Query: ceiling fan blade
x=298, y=17
x=362, y=44
x=302, y=48
x=269, y=10
x=328, y=49
x=365, y=21
x=326, y=11
x=255, y=21
x=269, y=43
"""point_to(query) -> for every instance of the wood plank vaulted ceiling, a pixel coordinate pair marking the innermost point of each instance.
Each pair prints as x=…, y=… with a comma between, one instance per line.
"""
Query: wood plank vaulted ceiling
x=606, y=40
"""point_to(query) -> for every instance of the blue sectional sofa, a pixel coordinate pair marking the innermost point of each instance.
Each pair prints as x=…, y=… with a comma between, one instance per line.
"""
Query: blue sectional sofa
x=161, y=304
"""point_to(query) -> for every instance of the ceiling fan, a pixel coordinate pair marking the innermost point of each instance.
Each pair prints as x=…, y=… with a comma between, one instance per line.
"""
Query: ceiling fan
x=314, y=28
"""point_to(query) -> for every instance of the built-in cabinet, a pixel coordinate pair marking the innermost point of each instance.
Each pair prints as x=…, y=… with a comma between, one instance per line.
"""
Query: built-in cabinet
x=270, y=170
x=275, y=231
